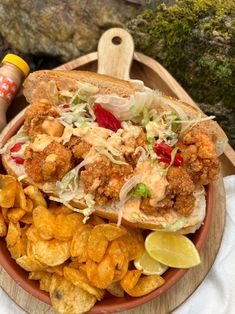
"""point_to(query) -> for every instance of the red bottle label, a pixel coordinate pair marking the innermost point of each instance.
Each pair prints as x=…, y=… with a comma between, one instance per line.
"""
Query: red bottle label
x=8, y=88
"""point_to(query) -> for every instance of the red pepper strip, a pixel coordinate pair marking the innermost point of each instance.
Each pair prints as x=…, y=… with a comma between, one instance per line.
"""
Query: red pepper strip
x=106, y=119
x=14, y=149
x=18, y=160
x=164, y=151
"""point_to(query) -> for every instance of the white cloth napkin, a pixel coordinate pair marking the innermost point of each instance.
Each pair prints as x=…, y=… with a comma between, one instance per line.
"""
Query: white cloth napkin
x=216, y=294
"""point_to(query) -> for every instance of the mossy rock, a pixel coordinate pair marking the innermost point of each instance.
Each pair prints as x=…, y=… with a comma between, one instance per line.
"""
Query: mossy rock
x=195, y=41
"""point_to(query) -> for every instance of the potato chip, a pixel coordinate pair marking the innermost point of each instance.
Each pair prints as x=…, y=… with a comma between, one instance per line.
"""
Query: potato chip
x=61, y=209
x=44, y=222
x=115, y=289
x=100, y=275
x=15, y=214
x=30, y=249
x=52, y=252
x=119, y=254
x=145, y=285
x=3, y=226
x=7, y=191
x=36, y=275
x=130, y=280
x=32, y=234
x=134, y=242
x=97, y=245
x=24, y=239
x=43, y=277
x=98, y=240
x=45, y=282
x=29, y=205
x=30, y=263
x=96, y=220
x=75, y=265
x=111, y=231
x=82, y=267
x=66, y=225
x=59, y=269
x=13, y=234
x=79, y=243
x=79, y=279
x=17, y=250
x=20, y=198
x=67, y=298
x=4, y=211
x=27, y=219
x=35, y=195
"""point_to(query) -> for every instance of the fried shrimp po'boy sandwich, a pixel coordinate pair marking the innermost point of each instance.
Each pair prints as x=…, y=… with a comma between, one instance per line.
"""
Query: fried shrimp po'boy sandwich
x=116, y=148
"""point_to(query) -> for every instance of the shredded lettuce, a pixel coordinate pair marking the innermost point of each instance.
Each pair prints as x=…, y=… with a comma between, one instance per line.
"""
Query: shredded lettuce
x=153, y=155
x=175, y=127
x=86, y=212
x=105, y=152
x=173, y=153
x=89, y=198
x=141, y=190
x=144, y=154
x=68, y=186
x=22, y=177
x=146, y=116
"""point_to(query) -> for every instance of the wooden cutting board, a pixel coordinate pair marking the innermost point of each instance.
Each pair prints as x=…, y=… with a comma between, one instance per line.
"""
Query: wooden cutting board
x=116, y=53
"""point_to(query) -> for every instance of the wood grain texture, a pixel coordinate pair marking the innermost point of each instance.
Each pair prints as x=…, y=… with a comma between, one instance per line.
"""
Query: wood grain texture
x=115, y=53
x=164, y=303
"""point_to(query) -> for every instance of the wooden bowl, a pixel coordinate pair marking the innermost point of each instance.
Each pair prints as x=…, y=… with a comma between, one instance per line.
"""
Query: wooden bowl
x=110, y=304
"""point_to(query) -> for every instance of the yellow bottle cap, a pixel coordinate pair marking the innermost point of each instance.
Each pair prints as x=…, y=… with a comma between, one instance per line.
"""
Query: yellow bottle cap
x=18, y=62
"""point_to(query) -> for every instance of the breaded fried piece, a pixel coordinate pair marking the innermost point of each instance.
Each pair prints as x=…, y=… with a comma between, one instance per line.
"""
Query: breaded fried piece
x=180, y=181
x=49, y=165
x=105, y=179
x=162, y=207
x=35, y=115
x=78, y=146
x=184, y=204
x=199, y=155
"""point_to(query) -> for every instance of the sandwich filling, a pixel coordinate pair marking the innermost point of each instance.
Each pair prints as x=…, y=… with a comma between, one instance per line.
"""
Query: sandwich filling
x=128, y=155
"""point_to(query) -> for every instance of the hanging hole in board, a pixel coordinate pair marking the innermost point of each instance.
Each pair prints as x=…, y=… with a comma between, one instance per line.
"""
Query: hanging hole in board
x=116, y=40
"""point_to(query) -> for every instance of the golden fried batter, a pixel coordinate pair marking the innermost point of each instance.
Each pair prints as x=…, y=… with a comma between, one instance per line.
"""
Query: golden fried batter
x=133, y=143
x=78, y=146
x=49, y=165
x=200, y=159
x=162, y=207
x=180, y=181
x=105, y=179
x=184, y=204
x=35, y=115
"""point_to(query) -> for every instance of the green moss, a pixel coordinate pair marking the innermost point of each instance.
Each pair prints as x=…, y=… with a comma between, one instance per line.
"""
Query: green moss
x=195, y=41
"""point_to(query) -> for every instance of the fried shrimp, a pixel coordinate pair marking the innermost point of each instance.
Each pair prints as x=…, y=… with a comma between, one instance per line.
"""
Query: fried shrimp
x=105, y=179
x=200, y=159
x=180, y=181
x=51, y=164
x=36, y=115
x=184, y=204
x=78, y=146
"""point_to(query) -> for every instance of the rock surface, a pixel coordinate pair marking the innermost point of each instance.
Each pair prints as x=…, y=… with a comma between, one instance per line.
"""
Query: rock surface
x=66, y=28
x=195, y=41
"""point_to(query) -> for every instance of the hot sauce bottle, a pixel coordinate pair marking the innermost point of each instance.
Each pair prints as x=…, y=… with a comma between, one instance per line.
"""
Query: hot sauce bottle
x=13, y=71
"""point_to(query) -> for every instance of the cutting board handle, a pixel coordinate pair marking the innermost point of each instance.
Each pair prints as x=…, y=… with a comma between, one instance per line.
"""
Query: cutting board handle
x=115, y=53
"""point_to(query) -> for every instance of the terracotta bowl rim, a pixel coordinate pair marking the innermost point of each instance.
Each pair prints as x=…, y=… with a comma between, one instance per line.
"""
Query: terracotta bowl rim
x=121, y=304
